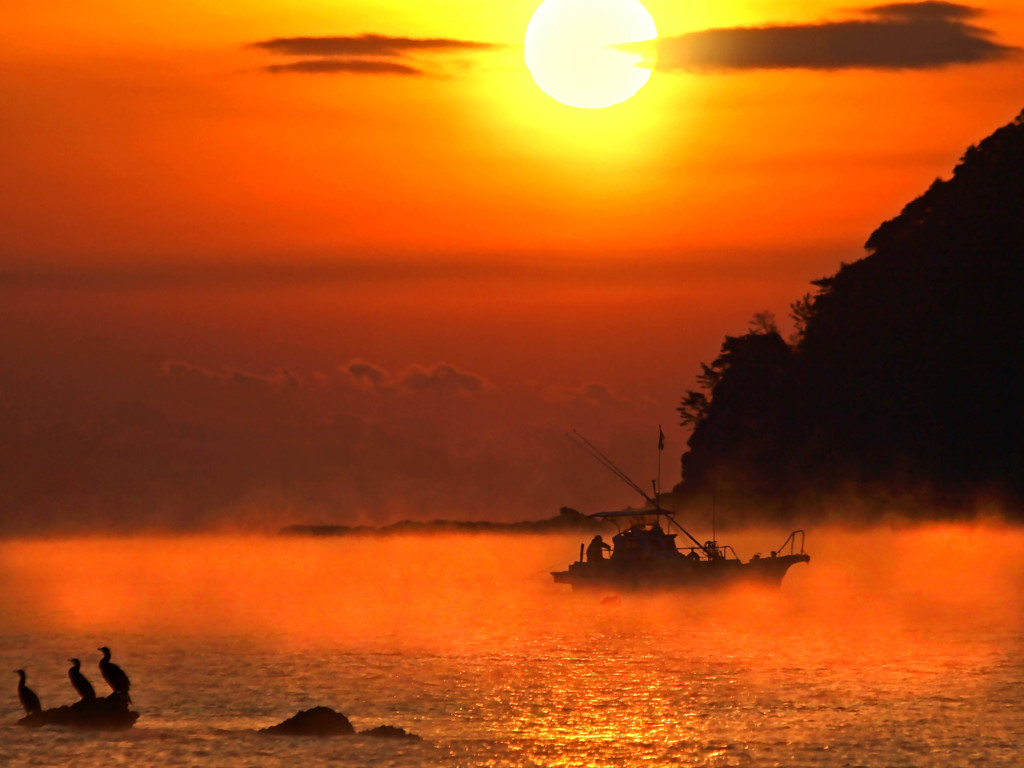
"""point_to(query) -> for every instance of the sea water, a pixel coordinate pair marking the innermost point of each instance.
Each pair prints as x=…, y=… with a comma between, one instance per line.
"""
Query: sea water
x=892, y=647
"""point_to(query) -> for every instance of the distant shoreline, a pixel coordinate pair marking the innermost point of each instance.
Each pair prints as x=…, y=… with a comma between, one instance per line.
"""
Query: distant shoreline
x=568, y=520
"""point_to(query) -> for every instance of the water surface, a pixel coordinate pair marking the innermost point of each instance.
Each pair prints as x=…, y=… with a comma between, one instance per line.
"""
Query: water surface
x=897, y=647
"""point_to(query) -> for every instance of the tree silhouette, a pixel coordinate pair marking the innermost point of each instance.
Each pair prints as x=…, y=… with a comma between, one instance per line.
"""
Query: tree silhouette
x=800, y=311
x=742, y=418
x=905, y=366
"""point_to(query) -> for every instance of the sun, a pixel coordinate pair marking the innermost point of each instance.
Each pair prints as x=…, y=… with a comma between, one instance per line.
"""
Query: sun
x=572, y=50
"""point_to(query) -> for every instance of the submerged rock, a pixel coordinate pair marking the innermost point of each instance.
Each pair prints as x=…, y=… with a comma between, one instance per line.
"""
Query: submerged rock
x=324, y=721
x=390, y=732
x=108, y=713
x=318, y=721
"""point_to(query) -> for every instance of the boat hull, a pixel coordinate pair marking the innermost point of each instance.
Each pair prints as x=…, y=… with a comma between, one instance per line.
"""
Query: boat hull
x=677, y=574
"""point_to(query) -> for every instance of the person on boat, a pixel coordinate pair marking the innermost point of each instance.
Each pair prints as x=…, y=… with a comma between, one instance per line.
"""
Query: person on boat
x=595, y=552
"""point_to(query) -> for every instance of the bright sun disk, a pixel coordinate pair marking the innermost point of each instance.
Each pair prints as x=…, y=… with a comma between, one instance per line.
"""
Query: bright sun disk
x=573, y=53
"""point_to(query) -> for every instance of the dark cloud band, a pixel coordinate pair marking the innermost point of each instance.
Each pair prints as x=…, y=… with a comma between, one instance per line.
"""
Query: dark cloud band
x=922, y=35
x=360, y=54
x=366, y=45
x=351, y=66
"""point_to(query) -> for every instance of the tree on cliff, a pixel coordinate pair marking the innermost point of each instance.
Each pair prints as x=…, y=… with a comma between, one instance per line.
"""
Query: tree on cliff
x=905, y=371
x=739, y=425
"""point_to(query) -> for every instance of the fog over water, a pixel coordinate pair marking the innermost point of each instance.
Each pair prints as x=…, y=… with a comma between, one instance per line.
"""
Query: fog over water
x=895, y=645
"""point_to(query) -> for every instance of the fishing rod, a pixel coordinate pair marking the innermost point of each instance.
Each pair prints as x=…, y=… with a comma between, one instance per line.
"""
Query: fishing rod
x=608, y=464
x=612, y=467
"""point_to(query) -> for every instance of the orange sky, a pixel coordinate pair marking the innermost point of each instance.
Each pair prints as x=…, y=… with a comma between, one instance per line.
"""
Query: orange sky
x=167, y=198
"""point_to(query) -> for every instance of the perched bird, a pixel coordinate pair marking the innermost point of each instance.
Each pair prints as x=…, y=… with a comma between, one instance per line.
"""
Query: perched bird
x=28, y=697
x=113, y=674
x=83, y=686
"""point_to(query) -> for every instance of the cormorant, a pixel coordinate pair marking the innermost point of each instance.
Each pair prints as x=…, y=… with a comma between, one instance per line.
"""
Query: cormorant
x=28, y=697
x=113, y=674
x=83, y=686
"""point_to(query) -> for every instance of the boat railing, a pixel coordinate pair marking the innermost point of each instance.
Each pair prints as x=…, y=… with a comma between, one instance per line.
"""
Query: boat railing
x=709, y=552
x=791, y=542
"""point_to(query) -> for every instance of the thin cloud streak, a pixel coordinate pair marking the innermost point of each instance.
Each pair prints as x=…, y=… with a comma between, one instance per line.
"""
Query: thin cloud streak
x=926, y=35
x=346, y=66
x=348, y=270
x=360, y=54
x=365, y=45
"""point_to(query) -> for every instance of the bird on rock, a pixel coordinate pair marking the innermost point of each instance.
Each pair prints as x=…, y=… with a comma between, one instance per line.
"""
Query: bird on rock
x=83, y=686
x=113, y=674
x=28, y=697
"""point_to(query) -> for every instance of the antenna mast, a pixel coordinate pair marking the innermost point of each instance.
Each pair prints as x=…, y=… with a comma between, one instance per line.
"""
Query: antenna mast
x=661, y=447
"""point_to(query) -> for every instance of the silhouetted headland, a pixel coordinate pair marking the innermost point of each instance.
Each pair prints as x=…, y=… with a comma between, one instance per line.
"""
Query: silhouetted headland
x=902, y=379
x=568, y=521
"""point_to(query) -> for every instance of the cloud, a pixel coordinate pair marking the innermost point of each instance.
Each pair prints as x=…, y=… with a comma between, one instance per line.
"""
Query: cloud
x=361, y=54
x=194, y=446
x=365, y=45
x=442, y=378
x=177, y=370
x=416, y=379
x=594, y=395
x=365, y=374
x=925, y=35
x=356, y=66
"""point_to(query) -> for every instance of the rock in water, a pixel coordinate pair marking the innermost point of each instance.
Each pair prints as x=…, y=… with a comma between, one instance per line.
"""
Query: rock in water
x=318, y=721
x=390, y=732
x=104, y=714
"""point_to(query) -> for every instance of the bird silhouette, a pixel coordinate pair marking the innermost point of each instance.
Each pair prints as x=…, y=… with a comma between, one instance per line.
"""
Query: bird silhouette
x=28, y=697
x=114, y=675
x=83, y=686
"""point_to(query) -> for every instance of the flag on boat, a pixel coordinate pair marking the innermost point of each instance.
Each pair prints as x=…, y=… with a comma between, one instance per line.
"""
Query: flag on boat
x=661, y=439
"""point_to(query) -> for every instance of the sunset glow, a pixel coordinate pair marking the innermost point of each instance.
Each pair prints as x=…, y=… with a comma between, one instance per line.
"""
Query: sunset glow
x=199, y=201
x=308, y=308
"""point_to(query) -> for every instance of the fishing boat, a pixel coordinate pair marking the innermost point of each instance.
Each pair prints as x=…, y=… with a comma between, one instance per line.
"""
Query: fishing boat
x=646, y=556
x=645, y=553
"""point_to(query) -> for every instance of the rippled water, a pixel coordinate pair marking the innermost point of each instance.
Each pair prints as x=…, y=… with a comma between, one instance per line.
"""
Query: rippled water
x=902, y=649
